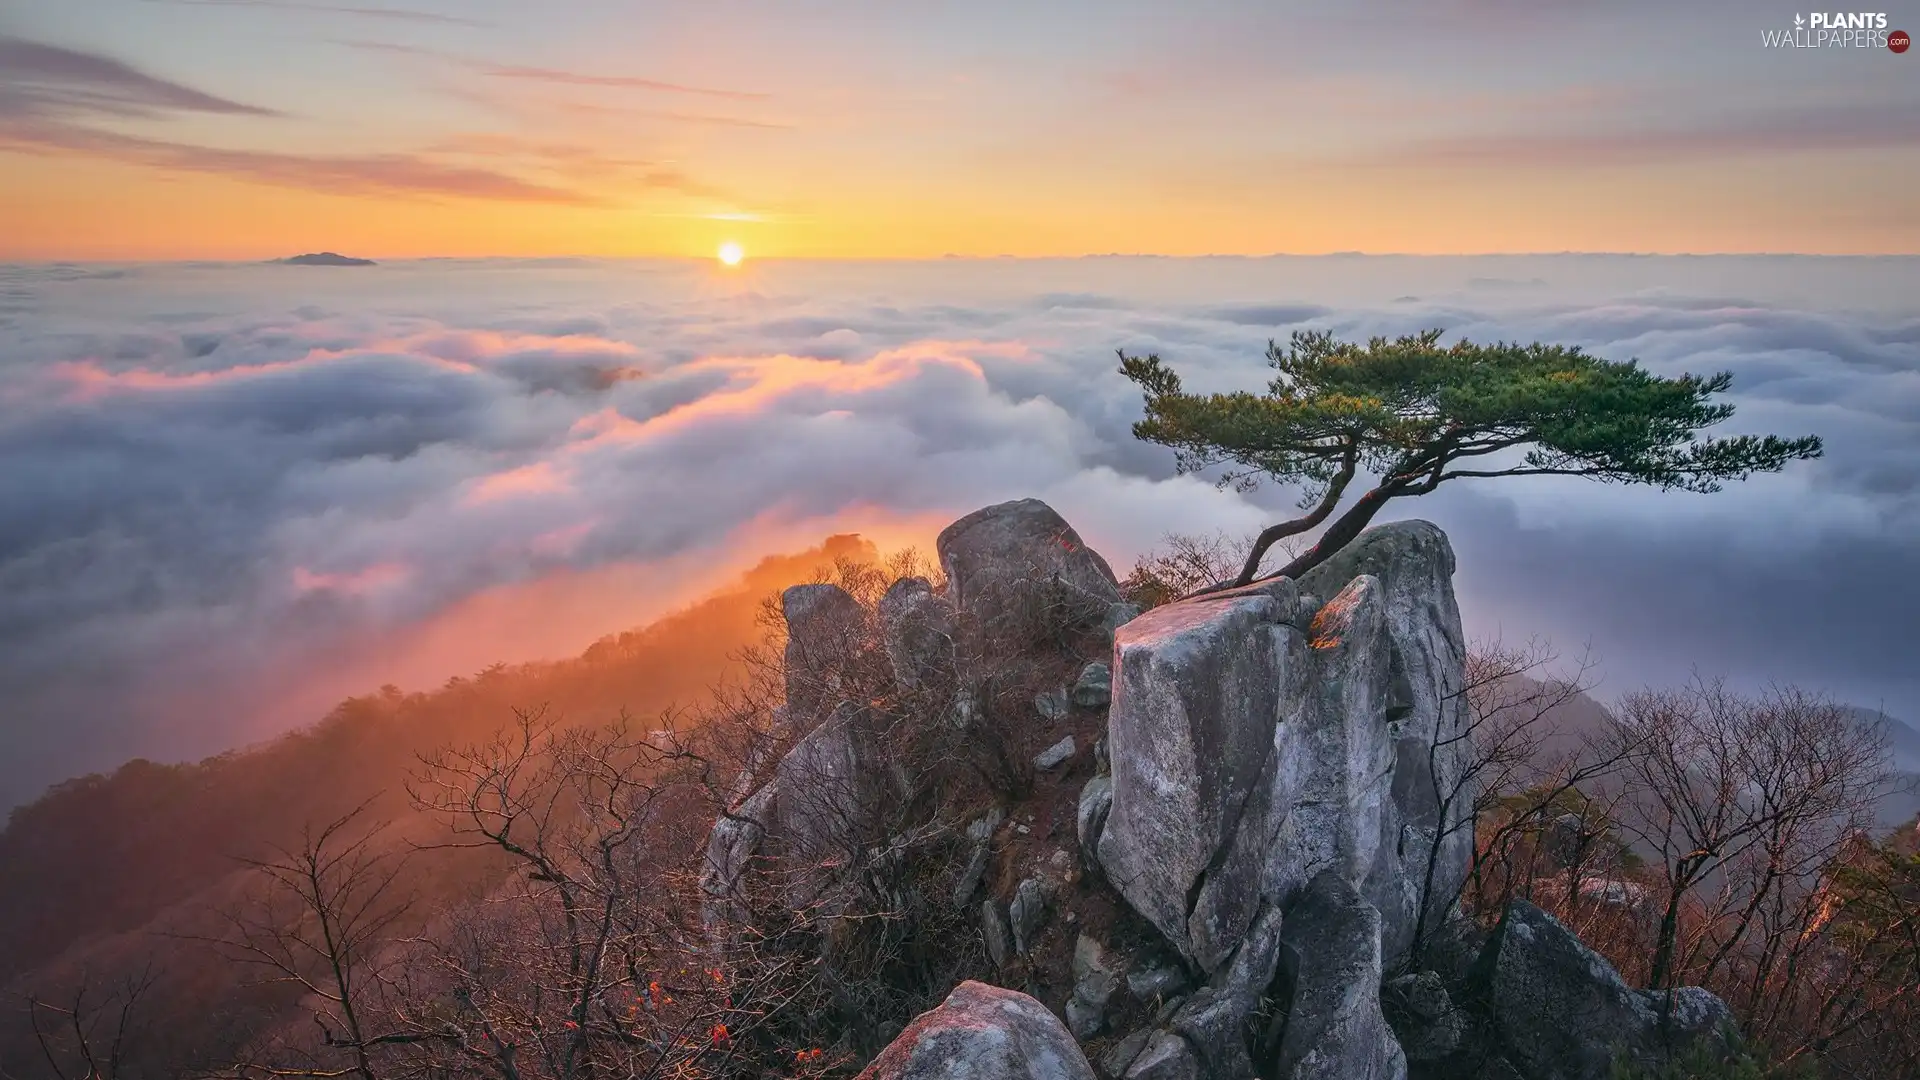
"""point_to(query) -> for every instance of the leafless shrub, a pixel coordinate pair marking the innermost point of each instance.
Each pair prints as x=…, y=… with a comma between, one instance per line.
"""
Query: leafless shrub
x=93, y=1032
x=1185, y=563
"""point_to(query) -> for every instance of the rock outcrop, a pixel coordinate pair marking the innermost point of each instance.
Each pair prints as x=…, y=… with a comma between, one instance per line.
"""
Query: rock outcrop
x=1558, y=1011
x=916, y=624
x=1330, y=955
x=983, y=1032
x=1255, y=743
x=1274, y=813
x=1019, y=570
x=826, y=628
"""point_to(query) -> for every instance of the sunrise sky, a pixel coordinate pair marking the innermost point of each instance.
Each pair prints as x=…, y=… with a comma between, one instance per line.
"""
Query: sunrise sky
x=179, y=129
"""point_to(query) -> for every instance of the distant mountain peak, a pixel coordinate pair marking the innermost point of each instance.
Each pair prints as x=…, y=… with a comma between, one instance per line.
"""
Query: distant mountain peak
x=324, y=258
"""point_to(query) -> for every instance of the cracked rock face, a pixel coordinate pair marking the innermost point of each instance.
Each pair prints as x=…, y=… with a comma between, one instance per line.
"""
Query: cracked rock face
x=1561, y=1012
x=1331, y=954
x=983, y=1032
x=1252, y=748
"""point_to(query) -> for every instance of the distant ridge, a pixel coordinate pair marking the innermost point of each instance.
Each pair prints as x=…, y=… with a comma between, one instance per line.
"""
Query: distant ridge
x=324, y=258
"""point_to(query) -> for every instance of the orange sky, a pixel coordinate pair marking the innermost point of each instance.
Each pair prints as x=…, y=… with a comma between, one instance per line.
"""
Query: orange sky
x=163, y=129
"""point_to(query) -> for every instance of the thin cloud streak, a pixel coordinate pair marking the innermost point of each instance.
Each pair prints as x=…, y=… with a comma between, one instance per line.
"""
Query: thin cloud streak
x=1773, y=133
x=37, y=77
x=629, y=82
x=495, y=69
x=388, y=14
x=390, y=174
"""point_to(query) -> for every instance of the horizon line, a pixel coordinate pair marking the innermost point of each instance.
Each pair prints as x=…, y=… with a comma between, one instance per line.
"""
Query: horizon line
x=957, y=257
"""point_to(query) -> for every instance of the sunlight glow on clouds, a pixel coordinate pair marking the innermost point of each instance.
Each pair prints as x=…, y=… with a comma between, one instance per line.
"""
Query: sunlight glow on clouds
x=235, y=493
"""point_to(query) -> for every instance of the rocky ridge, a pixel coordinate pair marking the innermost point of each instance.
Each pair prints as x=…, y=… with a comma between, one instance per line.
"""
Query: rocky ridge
x=1225, y=854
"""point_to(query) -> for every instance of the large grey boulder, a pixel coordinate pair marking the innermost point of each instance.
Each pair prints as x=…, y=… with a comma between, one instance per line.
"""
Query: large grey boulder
x=1427, y=709
x=1020, y=570
x=1198, y=691
x=916, y=624
x=1258, y=737
x=982, y=1032
x=1330, y=953
x=1559, y=1011
x=826, y=629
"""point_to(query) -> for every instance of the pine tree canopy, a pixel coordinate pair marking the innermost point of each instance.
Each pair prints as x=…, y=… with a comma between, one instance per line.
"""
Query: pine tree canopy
x=1416, y=414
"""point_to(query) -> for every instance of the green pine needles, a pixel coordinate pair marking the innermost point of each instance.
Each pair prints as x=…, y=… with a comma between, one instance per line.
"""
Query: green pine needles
x=1415, y=414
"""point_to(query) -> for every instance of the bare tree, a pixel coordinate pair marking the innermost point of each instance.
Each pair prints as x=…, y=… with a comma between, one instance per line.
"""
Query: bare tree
x=1739, y=801
x=321, y=923
x=581, y=963
x=1520, y=760
x=92, y=1034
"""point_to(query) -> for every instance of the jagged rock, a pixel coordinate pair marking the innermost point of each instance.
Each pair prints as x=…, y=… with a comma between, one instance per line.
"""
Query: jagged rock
x=917, y=626
x=1095, y=980
x=1427, y=707
x=1052, y=705
x=829, y=785
x=1422, y=1015
x=759, y=755
x=966, y=710
x=993, y=927
x=1027, y=913
x=1215, y=1019
x=731, y=846
x=1158, y=983
x=1331, y=956
x=826, y=627
x=1122, y=1054
x=1167, y=1057
x=1119, y=614
x=970, y=877
x=1020, y=569
x=1096, y=798
x=1101, y=765
x=1560, y=1012
x=821, y=802
x=1094, y=688
x=1248, y=754
x=1054, y=755
x=982, y=1032
x=1198, y=690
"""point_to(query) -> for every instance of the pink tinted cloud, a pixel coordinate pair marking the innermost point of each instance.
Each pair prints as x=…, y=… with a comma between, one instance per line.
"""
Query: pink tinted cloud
x=756, y=383
x=539, y=478
x=351, y=582
x=87, y=380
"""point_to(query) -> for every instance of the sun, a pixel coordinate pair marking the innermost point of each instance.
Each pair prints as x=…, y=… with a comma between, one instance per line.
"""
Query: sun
x=731, y=253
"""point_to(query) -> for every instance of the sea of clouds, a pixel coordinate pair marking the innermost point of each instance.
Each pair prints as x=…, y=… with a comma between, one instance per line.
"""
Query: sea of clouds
x=231, y=494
